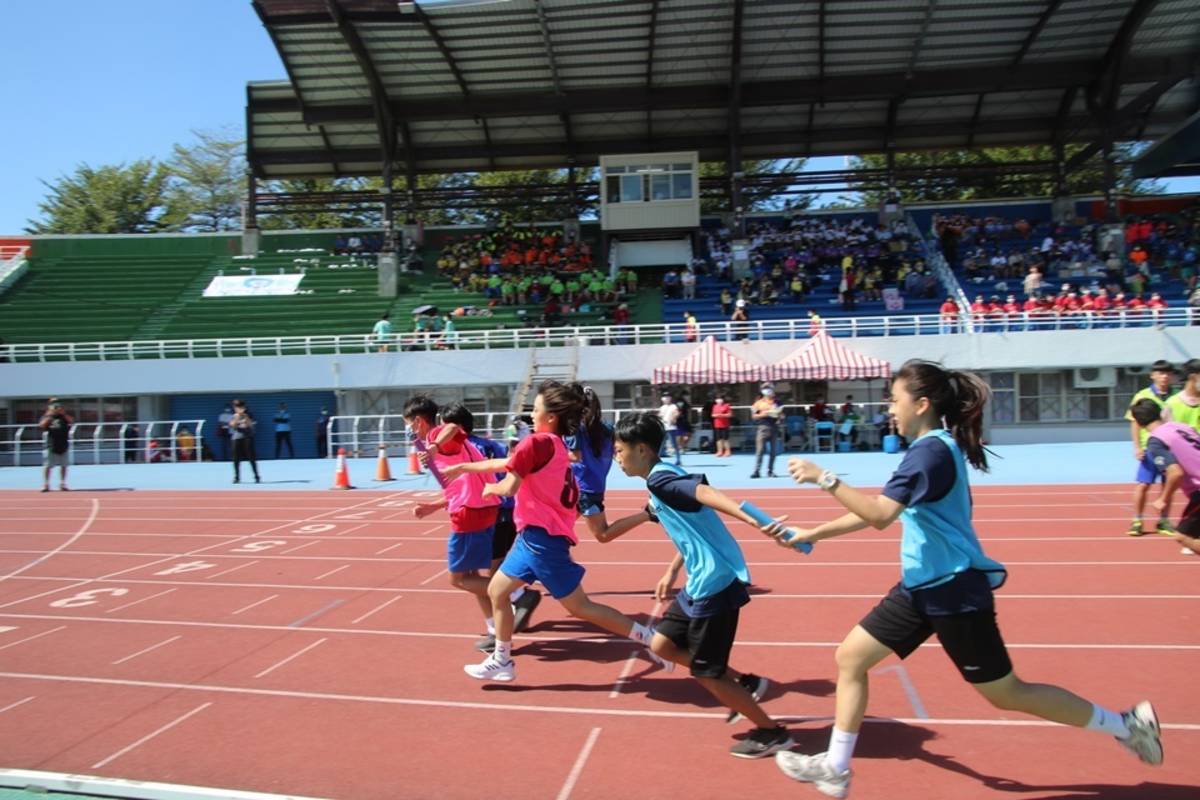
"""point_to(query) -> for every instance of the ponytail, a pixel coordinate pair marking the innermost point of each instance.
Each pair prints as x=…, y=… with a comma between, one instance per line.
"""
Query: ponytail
x=958, y=398
x=592, y=420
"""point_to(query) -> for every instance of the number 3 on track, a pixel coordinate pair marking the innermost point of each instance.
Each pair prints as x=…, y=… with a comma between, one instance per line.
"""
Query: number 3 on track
x=87, y=597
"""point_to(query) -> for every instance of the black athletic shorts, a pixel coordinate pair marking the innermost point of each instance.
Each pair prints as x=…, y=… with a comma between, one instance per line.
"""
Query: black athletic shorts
x=1189, y=523
x=971, y=639
x=505, y=534
x=720, y=434
x=708, y=639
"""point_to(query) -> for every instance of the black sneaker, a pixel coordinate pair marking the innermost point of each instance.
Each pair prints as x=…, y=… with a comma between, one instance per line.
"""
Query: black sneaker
x=486, y=643
x=762, y=742
x=523, y=609
x=755, y=475
x=756, y=686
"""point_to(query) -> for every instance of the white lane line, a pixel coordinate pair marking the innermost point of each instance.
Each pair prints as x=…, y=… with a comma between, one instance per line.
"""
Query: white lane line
x=363, y=525
x=541, y=709
x=299, y=547
x=252, y=605
x=577, y=767
x=143, y=651
x=231, y=569
x=633, y=657
x=31, y=638
x=95, y=786
x=172, y=557
x=379, y=607
x=150, y=736
x=815, y=596
x=315, y=614
x=389, y=547
x=555, y=638
x=434, y=529
x=434, y=577
x=136, y=602
x=304, y=650
x=82, y=530
x=331, y=572
x=11, y=706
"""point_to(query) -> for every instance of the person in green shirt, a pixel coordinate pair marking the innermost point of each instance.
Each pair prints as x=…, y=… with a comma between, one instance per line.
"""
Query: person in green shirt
x=508, y=291
x=610, y=290
x=595, y=288
x=1162, y=375
x=383, y=332
x=1184, y=406
x=572, y=289
x=523, y=290
x=556, y=289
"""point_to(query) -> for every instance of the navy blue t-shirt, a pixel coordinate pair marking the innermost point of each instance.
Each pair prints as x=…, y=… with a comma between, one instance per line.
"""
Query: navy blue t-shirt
x=1159, y=453
x=926, y=474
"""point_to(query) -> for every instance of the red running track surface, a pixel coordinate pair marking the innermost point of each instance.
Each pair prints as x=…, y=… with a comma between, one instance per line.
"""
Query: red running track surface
x=309, y=643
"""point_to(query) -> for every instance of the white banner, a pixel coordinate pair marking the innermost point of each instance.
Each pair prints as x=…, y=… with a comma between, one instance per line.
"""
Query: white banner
x=253, y=285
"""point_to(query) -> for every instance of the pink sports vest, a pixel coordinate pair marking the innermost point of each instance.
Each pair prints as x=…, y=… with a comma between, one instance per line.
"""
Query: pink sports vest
x=547, y=497
x=465, y=491
x=1184, y=444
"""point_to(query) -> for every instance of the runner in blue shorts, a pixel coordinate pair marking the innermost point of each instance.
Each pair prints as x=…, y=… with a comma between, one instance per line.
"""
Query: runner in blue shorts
x=591, y=452
x=1162, y=375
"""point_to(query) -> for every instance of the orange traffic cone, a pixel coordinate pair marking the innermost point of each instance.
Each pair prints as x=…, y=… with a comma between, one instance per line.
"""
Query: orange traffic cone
x=382, y=471
x=414, y=463
x=341, y=478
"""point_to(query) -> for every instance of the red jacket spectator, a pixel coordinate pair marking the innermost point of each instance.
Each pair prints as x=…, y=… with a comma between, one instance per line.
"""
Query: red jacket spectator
x=1012, y=307
x=949, y=308
x=1032, y=306
x=1101, y=303
x=979, y=308
x=1119, y=303
x=1156, y=302
x=1135, y=305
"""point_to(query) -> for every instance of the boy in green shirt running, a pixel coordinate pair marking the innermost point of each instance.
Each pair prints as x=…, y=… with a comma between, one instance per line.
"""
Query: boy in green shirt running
x=1162, y=375
x=1184, y=405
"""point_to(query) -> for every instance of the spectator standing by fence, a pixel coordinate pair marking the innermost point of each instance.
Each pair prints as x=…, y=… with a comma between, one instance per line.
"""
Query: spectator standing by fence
x=283, y=431
x=223, y=430
x=322, y=432
x=56, y=425
x=382, y=332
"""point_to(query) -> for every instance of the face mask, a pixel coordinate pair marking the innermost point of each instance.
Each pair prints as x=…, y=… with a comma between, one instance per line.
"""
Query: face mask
x=768, y=392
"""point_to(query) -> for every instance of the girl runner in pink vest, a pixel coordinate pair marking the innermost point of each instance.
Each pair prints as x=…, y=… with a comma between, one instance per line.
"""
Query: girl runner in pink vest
x=539, y=474
x=1174, y=448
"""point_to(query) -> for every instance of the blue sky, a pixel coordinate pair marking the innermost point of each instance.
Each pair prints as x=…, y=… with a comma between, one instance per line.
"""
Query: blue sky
x=109, y=82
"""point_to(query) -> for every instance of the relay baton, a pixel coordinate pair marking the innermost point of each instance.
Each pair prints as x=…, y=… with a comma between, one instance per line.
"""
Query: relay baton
x=763, y=518
x=419, y=445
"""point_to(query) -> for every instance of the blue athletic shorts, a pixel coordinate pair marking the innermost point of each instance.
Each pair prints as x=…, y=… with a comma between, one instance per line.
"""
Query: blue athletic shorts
x=1147, y=472
x=590, y=504
x=538, y=556
x=469, y=551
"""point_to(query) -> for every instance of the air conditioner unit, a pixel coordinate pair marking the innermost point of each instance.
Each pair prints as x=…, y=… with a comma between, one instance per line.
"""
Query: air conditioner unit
x=1136, y=370
x=1095, y=377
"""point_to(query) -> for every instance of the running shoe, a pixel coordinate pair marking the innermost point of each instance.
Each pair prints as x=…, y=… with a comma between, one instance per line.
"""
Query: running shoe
x=756, y=686
x=490, y=669
x=815, y=770
x=762, y=742
x=1165, y=527
x=1144, y=740
x=523, y=609
x=1135, y=528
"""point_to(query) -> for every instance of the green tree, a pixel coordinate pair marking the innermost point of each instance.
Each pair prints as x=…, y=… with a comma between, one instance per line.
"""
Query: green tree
x=761, y=195
x=115, y=198
x=1087, y=179
x=207, y=182
x=366, y=213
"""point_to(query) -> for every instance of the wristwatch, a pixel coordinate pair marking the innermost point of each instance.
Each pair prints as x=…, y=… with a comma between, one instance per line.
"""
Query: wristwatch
x=828, y=480
x=650, y=513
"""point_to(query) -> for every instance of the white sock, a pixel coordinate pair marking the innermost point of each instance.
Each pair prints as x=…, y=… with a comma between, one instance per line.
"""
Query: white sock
x=640, y=633
x=491, y=625
x=503, y=652
x=841, y=748
x=1108, y=722
x=515, y=596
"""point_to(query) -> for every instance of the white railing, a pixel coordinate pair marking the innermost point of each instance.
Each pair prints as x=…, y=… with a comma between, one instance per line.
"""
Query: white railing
x=601, y=335
x=945, y=273
x=363, y=434
x=108, y=442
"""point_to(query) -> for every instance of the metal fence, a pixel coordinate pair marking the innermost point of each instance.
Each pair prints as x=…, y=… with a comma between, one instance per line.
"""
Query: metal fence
x=140, y=441
x=606, y=335
x=365, y=434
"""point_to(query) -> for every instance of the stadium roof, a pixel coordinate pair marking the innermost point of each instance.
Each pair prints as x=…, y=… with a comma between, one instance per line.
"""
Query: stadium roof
x=445, y=87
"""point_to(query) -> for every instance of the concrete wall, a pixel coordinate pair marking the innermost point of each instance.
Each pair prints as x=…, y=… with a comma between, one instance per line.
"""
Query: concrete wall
x=989, y=351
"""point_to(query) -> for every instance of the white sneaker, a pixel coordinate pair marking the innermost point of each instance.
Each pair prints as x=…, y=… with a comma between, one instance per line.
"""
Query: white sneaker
x=1144, y=740
x=815, y=770
x=492, y=670
x=1187, y=551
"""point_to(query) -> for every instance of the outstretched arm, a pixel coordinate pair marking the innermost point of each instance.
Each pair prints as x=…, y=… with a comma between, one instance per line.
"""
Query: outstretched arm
x=505, y=488
x=488, y=465
x=622, y=526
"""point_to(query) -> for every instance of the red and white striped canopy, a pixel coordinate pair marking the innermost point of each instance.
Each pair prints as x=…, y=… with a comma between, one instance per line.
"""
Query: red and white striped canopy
x=709, y=363
x=823, y=359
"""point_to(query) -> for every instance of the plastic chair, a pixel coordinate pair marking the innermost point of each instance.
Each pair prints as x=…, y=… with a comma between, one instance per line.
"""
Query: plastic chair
x=823, y=437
